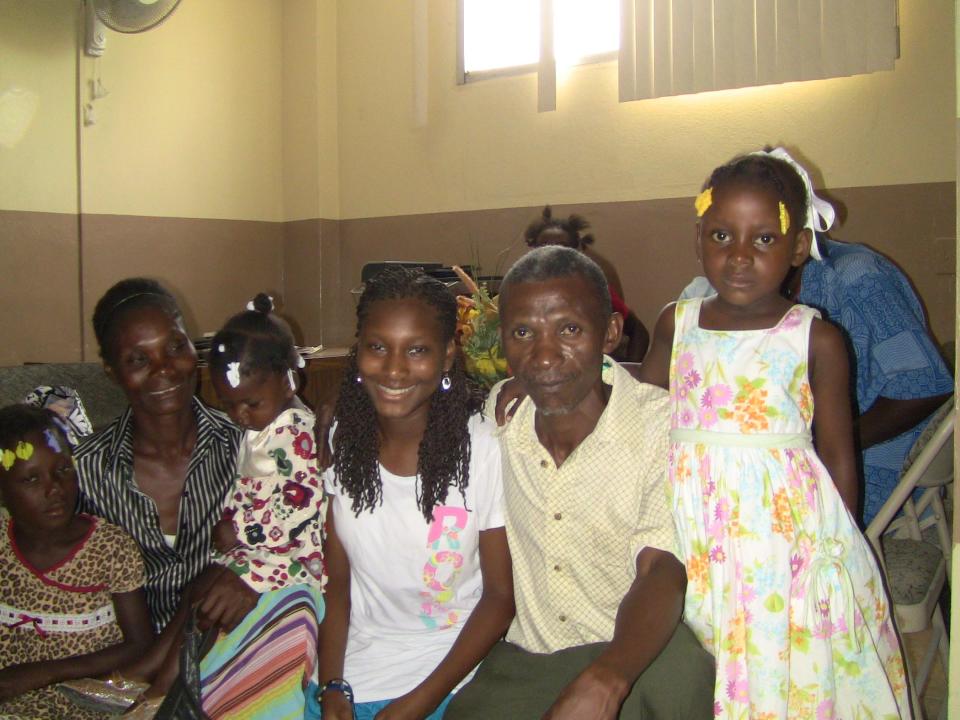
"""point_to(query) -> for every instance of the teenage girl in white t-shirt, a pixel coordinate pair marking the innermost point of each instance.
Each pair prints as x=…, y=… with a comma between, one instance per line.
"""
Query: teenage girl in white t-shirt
x=420, y=583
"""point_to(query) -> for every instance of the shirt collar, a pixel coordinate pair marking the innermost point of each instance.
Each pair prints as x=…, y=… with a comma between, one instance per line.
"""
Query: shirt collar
x=212, y=427
x=522, y=428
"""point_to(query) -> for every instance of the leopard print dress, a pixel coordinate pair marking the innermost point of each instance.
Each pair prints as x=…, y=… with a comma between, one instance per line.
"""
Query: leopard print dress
x=64, y=611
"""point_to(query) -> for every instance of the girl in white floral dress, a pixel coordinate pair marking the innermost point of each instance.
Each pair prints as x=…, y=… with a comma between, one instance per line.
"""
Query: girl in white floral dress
x=782, y=586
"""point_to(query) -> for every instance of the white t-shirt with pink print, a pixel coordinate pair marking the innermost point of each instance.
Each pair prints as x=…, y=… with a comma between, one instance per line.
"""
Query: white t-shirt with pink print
x=413, y=584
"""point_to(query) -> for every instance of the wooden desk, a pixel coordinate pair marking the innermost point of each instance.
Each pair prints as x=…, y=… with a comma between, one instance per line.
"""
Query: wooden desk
x=320, y=379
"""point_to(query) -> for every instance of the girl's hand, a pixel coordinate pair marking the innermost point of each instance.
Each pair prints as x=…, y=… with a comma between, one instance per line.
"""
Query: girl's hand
x=19, y=679
x=335, y=706
x=224, y=537
x=406, y=707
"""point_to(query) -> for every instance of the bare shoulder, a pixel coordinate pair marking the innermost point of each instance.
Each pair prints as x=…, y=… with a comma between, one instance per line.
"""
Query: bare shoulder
x=826, y=342
x=656, y=365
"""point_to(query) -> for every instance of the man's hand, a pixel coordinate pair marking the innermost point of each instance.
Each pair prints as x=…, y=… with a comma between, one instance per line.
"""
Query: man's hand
x=225, y=601
x=595, y=694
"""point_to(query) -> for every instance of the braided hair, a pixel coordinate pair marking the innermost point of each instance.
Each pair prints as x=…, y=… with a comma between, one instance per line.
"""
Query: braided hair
x=573, y=226
x=257, y=339
x=769, y=172
x=443, y=458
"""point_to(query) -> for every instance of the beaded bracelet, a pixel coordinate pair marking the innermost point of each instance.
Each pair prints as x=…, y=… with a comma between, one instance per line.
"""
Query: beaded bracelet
x=338, y=685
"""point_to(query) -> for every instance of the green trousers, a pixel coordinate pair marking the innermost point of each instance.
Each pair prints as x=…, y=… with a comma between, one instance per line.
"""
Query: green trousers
x=513, y=684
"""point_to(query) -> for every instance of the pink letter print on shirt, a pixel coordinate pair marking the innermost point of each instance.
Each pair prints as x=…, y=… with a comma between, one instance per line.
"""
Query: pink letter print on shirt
x=442, y=567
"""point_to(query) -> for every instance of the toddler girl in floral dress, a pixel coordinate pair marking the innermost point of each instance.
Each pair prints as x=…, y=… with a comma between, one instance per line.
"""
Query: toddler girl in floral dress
x=782, y=586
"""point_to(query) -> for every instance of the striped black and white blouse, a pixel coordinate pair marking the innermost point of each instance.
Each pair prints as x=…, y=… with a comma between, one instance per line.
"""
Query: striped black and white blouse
x=105, y=466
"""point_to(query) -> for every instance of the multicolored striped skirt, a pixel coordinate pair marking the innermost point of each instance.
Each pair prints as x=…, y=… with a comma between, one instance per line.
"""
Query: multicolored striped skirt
x=262, y=668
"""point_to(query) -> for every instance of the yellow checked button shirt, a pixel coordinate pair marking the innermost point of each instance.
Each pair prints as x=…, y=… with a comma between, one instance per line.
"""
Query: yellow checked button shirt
x=575, y=531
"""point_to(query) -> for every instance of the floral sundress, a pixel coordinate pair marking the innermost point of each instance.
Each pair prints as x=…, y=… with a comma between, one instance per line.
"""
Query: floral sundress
x=782, y=586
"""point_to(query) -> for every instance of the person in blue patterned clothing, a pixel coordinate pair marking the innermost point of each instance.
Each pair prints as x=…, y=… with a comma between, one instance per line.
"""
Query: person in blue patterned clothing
x=901, y=376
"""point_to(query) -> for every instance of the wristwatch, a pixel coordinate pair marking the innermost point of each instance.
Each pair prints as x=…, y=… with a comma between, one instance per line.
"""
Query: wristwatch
x=337, y=685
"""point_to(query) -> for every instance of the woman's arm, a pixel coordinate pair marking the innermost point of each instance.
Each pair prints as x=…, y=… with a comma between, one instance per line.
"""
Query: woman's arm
x=487, y=623
x=336, y=621
x=833, y=416
x=134, y=620
x=656, y=364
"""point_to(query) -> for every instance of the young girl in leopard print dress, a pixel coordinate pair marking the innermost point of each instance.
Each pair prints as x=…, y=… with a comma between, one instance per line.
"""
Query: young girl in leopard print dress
x=71, y=597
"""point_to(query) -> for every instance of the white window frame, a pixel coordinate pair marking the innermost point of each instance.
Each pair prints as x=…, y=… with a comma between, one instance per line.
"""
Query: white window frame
x=464, y=77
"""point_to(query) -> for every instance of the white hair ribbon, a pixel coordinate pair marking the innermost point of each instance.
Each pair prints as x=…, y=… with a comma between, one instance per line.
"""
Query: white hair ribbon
x=820, y=213
x=233, y=374
x=250, y=305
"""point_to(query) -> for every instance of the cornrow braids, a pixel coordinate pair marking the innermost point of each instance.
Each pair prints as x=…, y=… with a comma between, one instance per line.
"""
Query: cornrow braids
x=768, y=172
x=443, y=458
x=573, y=226
x=257, y=339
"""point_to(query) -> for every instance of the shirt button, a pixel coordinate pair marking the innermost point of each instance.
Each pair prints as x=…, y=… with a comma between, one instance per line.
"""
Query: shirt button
x=557, y=516
x=562, y=618
x=544, y=463
x=557, y=568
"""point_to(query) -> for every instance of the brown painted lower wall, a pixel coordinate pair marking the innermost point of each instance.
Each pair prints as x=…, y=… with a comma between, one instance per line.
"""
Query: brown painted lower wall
x=215, y=266
x=650, y=242
x=40, y=265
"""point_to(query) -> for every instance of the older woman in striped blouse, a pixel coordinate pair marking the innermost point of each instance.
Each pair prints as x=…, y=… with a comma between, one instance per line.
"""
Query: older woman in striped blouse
x=161, y=471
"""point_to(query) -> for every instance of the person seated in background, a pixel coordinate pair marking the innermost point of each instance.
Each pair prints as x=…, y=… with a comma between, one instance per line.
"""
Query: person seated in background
x=548, y=230
x=901, y=378
x=597, y=583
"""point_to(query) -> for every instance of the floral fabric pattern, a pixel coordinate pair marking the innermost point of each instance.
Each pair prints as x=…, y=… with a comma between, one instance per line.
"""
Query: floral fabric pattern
x=278, y=506
x=782, y=586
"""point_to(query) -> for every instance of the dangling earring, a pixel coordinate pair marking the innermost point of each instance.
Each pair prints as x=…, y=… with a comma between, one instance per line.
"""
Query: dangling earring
x=358, y=379
x=445, y=382
x=293, y=383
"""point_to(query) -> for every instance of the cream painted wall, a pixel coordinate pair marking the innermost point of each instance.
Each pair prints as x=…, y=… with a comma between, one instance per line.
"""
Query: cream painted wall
x=192, y=125
x=486, y=146
x=310, y=152
x=38, y=59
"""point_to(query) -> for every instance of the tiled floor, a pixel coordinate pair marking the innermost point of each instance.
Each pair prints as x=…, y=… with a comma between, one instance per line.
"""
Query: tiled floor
x=936, y=693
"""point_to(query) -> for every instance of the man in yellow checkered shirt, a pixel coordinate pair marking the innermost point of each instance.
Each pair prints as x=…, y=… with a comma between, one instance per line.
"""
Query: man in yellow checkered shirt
x=599, y=589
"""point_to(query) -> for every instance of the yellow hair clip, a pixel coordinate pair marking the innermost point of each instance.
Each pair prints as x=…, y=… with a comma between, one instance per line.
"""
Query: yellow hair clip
x=704, y=201
x=24, y=450
x=784, y=219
